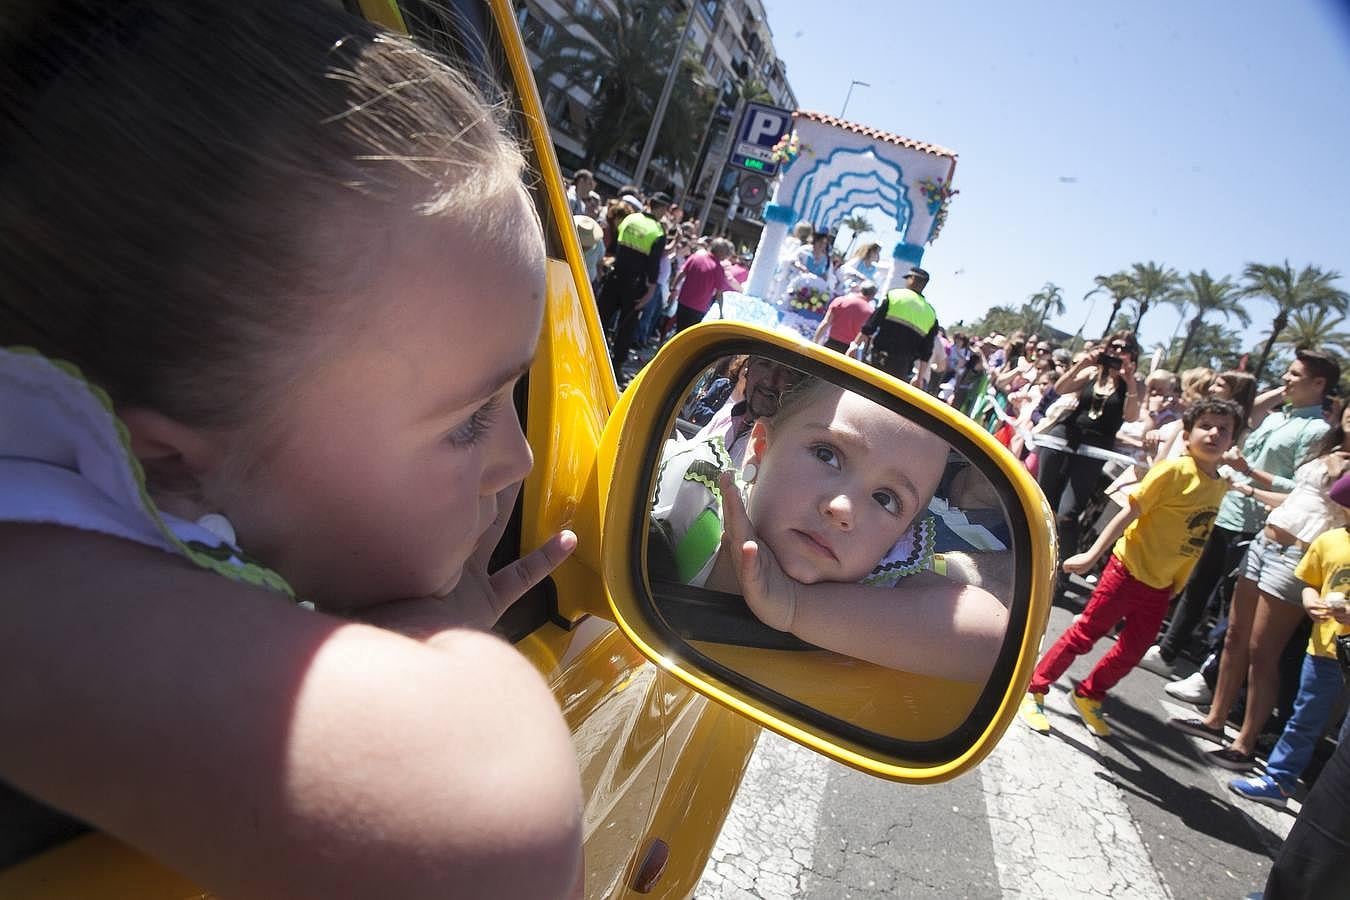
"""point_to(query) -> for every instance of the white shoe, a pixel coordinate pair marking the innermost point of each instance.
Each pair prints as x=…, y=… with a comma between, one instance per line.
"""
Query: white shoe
x=1190, y=690
x=1153, y=662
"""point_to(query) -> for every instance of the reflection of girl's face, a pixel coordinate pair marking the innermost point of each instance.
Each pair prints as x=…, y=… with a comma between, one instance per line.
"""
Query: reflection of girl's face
x=839, y=482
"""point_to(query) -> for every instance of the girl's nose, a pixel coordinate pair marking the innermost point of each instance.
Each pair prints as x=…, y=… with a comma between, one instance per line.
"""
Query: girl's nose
x=839, y=510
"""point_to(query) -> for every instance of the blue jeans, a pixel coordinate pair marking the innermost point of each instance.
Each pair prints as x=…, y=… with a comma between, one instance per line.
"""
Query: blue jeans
x=1318, y=690
x=649, y=314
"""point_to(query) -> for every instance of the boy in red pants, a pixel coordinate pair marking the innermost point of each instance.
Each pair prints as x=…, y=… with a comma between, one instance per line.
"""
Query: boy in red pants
x=1165, y=525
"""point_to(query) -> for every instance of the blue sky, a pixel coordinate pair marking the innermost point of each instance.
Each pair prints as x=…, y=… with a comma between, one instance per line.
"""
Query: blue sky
x=1090, y=135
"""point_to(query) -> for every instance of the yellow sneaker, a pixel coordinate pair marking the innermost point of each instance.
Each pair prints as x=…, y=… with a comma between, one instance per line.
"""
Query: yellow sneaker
x=1090, y=711
x=1033, y=713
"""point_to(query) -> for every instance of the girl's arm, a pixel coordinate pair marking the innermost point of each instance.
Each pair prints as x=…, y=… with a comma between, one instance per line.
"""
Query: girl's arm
x=1083, y=562
x=267, y=751
x=1077, y=375
x=929, y=625
x=1271, y=499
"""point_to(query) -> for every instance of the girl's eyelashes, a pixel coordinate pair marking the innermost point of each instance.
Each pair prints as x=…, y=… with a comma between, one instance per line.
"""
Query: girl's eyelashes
x=888, y=501
x=474, y=427
x=885, y=498
x=826, y=454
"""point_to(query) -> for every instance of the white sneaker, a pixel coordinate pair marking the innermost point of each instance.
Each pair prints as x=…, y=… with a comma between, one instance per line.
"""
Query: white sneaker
x=1153, y=662
x=1190, y=690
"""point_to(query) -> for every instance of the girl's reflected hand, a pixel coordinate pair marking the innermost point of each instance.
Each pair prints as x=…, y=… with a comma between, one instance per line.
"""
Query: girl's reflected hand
x=770, y=593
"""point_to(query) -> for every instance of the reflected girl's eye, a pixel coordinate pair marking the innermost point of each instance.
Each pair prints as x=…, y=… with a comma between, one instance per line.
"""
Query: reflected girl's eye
x=888, y=501
x=477, y=425
x=826, y=454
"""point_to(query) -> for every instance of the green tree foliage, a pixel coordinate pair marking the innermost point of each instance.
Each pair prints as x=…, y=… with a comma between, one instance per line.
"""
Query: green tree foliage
x=622, y=60
x=1309, y=288
x=1151, y=283
x=1208, y=296
x=1318, y=328
x=858, y=224
x=1119, y=287
x=1207, y=344
x=1047, y=302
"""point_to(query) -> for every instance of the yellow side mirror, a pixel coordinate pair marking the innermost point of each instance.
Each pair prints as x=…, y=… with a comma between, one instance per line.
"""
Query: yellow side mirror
x=889, y=606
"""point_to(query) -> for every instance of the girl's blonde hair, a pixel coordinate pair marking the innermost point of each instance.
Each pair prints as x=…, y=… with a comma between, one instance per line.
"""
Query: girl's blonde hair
x=1195, y=383
x=862, y=252
x=185, y=184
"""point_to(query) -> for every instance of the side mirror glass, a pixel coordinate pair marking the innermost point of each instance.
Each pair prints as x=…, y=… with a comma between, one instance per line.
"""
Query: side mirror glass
x=843, y=555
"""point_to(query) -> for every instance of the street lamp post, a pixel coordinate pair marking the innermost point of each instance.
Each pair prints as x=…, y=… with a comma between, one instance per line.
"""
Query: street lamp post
x=654, y=128
x=850, y=94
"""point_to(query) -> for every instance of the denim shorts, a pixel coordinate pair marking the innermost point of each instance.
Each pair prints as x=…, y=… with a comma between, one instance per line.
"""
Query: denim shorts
x=1271, y=566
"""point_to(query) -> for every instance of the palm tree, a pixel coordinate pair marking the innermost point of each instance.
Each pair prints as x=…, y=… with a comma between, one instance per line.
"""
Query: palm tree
x=1312, y=287
x=858, y=224
x=620, y=60
x=1209, y=296
x=1121, y=288
x=1152, y=283
x=1309, y=328
x=1046, y=302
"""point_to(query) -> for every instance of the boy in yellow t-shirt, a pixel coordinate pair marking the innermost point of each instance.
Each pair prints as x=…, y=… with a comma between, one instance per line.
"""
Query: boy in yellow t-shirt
x=1165, y=525
x=1325, y=572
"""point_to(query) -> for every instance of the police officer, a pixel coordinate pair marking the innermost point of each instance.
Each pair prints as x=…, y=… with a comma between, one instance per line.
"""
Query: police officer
x=640, y=242
x=902, y=329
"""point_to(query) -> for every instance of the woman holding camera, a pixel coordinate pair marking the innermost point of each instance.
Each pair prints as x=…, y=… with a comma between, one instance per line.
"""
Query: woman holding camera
x=1108, y=396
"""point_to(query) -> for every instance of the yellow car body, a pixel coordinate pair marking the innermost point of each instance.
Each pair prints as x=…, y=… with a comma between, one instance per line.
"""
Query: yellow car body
x=659, y=762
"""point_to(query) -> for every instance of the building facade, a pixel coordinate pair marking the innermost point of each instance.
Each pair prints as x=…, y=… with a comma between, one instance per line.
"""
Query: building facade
x=730, y=39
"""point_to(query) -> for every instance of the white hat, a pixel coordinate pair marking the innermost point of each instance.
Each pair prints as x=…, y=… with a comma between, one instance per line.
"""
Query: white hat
x=589, y=232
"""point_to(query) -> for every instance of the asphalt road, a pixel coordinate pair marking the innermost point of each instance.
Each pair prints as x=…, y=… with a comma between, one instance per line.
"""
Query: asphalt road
x=1139, y=814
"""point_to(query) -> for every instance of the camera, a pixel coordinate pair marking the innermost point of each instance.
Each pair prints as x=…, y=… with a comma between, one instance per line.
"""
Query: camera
x=1109, y=361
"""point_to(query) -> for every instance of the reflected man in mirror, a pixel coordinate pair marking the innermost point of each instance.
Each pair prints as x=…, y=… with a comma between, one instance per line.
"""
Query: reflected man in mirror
x=833, y=519
x=759, y=384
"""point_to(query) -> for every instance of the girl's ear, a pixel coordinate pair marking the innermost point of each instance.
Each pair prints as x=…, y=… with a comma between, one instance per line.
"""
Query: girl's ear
x=177, y=459
x=759, y=442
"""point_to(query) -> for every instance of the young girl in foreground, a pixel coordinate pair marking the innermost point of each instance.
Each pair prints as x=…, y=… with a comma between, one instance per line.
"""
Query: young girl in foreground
x=259, y=231
x=836, y=489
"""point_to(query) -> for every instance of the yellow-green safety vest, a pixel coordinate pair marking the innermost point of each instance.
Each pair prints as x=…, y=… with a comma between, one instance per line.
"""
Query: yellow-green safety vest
x=640, y=232
x=909, y=308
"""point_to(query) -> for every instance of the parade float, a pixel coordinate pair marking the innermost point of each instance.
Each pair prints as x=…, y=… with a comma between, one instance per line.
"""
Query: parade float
x=827, y=169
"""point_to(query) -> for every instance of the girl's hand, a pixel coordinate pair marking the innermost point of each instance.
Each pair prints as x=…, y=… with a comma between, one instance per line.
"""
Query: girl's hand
x=1341, y=614
x=489, y=595
x=768, y=591
x=1079, y=563
x=480, y=597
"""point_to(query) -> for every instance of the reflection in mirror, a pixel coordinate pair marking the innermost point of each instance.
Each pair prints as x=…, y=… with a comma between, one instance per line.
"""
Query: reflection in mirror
x=792, y=519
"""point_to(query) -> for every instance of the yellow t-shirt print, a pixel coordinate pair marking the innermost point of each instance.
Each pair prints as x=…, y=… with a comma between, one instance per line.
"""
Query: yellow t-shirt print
x=1326, y=567
x=1177, y=505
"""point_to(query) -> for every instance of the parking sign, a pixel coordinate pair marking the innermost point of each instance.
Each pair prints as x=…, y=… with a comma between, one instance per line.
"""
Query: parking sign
x=760, y=128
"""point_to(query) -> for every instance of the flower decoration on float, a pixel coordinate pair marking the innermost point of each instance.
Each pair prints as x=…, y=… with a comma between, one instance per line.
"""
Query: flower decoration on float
x=788, y=148
x=810, y=301
x=938, y=195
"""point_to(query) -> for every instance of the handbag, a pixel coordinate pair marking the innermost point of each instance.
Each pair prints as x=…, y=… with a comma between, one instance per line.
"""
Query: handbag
x=1343, y=651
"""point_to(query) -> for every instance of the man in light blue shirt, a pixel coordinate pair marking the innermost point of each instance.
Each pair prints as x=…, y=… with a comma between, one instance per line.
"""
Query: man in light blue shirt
x=1278, y=446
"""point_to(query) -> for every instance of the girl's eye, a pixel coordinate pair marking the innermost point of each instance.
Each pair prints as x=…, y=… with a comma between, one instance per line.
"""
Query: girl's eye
x=888, y=501
x=476, y=425
x=826, y=454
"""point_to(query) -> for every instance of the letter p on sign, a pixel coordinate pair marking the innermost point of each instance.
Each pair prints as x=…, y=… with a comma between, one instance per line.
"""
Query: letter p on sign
x=764, y=124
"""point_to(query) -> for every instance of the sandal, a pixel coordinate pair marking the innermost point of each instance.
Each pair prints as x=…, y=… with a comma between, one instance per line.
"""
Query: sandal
x=1197, y=728
x=1232, y=759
